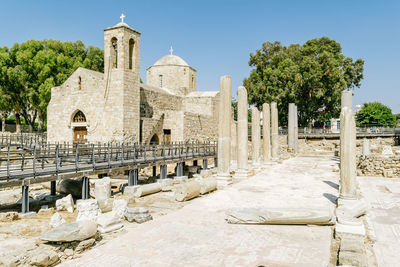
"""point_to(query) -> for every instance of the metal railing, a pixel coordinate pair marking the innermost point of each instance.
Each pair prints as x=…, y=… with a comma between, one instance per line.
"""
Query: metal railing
x=54, y=159
x=24, y=140
x=327, y=131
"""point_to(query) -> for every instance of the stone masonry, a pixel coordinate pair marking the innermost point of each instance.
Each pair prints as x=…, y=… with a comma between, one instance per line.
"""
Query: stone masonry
x=168, y=108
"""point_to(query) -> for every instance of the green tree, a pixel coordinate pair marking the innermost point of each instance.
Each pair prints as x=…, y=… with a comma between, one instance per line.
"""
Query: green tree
x=5, y=99
x=235, y=110
x=311, y=75
x=375, y=113
x=34, y=67
x=398, y=119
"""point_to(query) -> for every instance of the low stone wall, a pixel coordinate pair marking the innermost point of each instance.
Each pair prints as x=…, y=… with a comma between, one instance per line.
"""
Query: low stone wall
x=378, y=165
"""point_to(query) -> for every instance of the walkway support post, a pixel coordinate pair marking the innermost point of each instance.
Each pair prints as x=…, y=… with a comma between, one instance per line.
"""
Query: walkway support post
x=85, y=187
x=25, y=197
x=53, y=188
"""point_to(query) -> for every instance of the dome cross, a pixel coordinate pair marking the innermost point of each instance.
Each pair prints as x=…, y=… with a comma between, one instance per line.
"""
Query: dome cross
x=122, y=17
x=171, y=50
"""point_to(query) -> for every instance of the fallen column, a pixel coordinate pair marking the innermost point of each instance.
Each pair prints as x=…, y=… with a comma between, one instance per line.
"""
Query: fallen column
x=207, y=185
x=317, y=216
x=142, y=190
x=187, y=191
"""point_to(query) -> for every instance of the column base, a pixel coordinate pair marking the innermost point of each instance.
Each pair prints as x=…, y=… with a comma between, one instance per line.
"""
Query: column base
x=130, y=190
x=350, y=229
x=348, y=211
x=165, y=182
x=27, y=214
x=241, y=174
x=223, y=180
x=269, y=163
x=180, y=179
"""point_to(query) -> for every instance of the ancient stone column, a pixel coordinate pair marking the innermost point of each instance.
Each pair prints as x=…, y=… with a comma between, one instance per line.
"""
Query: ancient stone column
x=242, y=129
x=234, y=149
x=290, y=135
x=296, y=131
x=255, y=135
x=266, y=145
x=347, y=154
x=347, y=101
x=365, y=147
x=274, y=132
x=224, y=130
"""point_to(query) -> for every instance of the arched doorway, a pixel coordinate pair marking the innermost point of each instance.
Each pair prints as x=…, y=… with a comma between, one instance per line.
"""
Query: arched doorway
x=154, y=140
x=79, y=126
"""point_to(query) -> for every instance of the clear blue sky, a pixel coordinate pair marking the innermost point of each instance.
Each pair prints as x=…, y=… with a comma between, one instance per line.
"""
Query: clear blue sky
x=216, y=37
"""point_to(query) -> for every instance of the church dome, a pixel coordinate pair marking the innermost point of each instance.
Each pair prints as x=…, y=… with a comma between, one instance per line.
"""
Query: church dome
x=171, y=60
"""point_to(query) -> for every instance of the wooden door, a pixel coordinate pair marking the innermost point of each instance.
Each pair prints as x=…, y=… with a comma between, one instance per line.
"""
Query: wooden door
x=167, y=136
x=80, y=134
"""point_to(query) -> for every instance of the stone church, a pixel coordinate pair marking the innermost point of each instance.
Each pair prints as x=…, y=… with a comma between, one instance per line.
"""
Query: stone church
x=115, y=106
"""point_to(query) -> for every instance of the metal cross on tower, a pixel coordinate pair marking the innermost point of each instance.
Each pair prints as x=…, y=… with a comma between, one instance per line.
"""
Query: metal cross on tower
x=122, y=17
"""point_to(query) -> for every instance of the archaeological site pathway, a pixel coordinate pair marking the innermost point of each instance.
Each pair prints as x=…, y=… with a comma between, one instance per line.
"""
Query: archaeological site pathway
x=198, y=234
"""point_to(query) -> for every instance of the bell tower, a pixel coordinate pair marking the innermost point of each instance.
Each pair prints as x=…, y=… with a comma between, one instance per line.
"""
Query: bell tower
x=122, y=81
x=122, y=48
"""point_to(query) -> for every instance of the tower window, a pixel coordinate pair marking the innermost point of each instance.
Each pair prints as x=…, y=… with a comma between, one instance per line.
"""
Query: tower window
x=114, y=52
x=192, y=81
x=80, y=83
x=131, y=46
x=161, y=81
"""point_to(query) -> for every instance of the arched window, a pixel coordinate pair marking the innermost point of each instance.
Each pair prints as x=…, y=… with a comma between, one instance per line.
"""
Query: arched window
x=131, y=46
x=161, y=81
x=114, y=52
x=154, y=140
x=79, y=117
x=80, y=82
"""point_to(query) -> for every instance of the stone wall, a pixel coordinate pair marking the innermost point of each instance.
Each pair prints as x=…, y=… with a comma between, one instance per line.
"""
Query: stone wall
x=177, y=79
x=66, y=100
x=199, y=127
x=379, y=165
x=155, y=103
x=201, y=116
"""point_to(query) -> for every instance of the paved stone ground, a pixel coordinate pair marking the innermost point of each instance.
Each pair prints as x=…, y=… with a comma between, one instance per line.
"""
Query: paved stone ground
x=198, y=235
x=383, y=199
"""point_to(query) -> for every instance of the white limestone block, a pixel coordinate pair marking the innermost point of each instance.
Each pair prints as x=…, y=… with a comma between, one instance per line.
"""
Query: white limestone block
x=88, y=209
x=56, y=220
x=66, y=203
x=108, y=222
x=142, y=190
x=119, y=207
x=261, y=215
x=207, y=185
x=102, y=188
x=187, y=191
x=387, y=151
